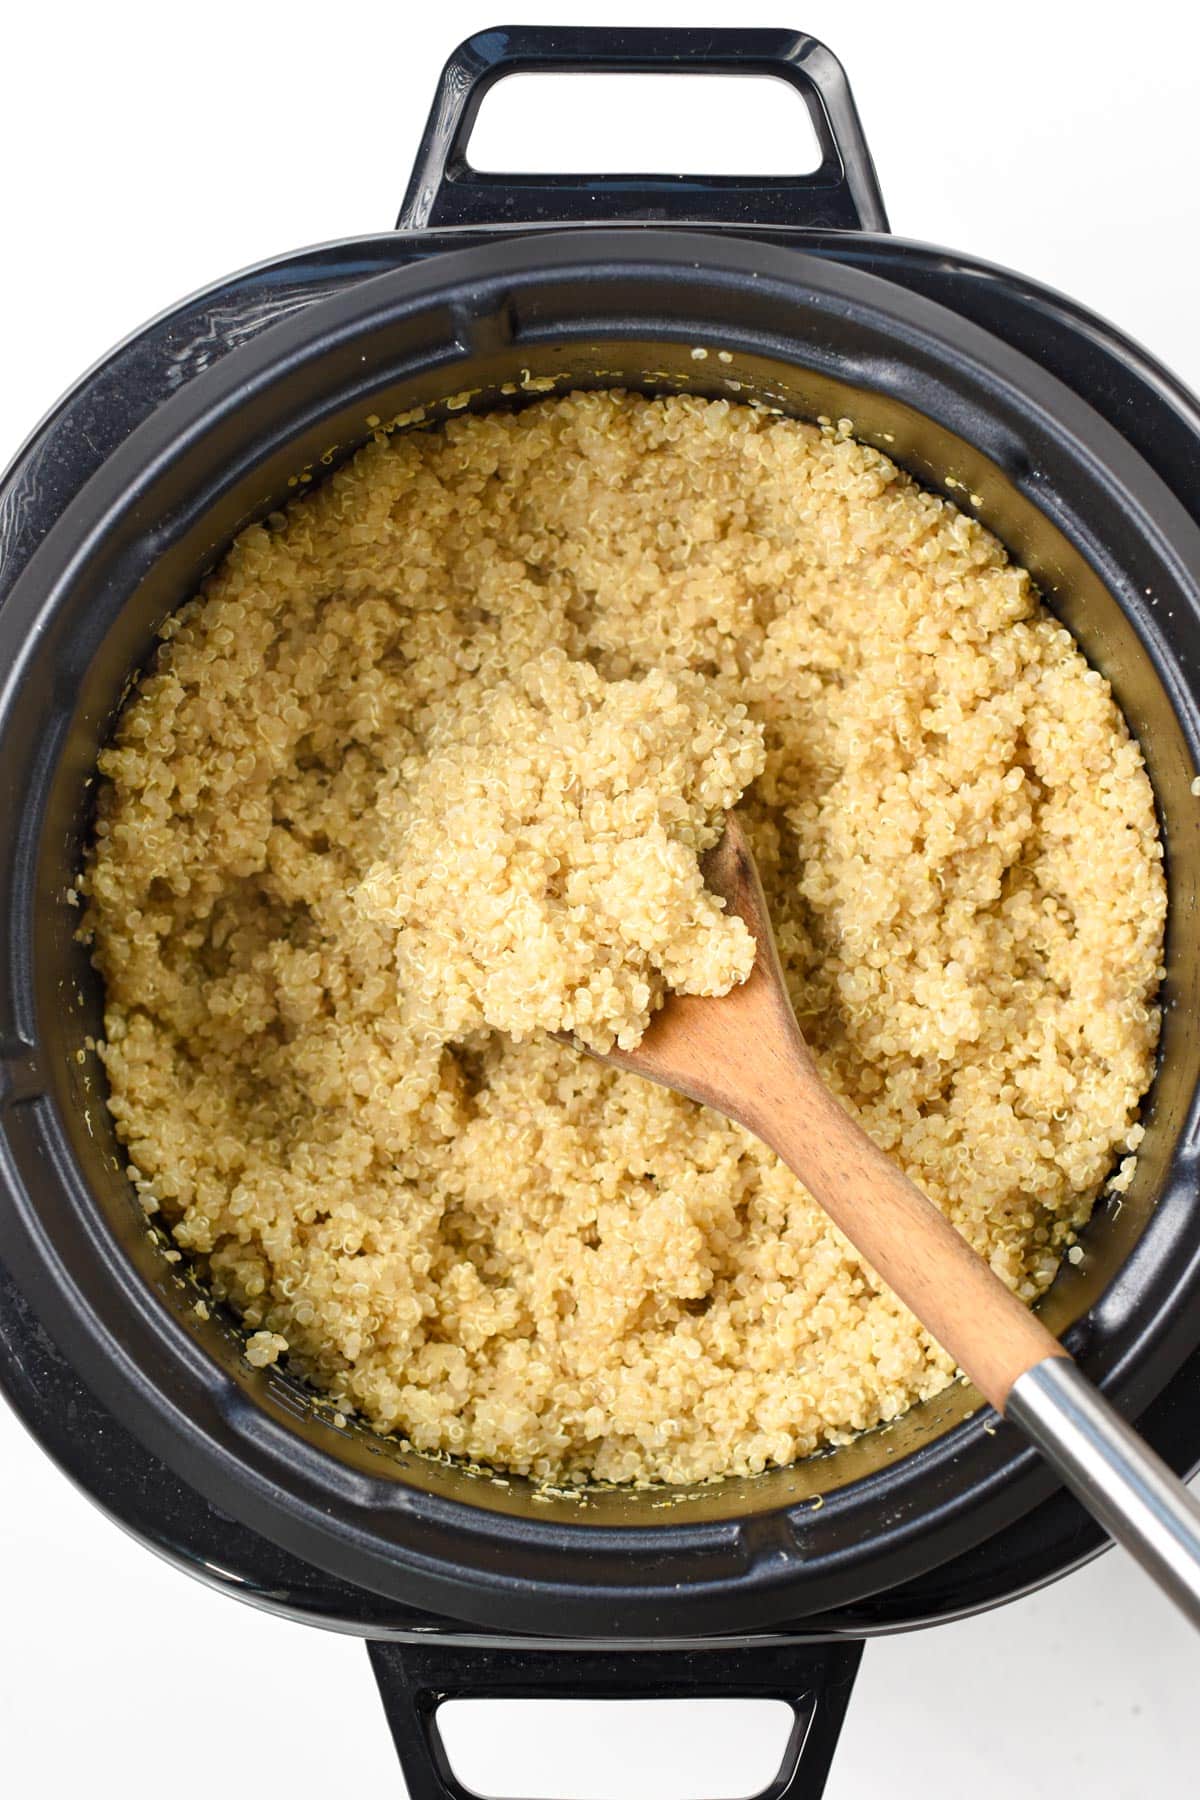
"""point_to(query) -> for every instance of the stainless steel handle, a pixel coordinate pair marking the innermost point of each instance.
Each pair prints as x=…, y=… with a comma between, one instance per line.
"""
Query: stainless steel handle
x=1119, y=1479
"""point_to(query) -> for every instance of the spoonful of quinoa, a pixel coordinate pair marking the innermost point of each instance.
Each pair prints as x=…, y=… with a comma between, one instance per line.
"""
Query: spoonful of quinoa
x=542, y=870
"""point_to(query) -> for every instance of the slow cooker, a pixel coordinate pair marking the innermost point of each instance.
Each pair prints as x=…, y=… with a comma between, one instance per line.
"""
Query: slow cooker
x=1078, y=450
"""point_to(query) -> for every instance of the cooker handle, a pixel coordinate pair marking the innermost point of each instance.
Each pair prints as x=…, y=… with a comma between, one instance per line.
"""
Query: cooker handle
x=843, y=194
x=814, y=1679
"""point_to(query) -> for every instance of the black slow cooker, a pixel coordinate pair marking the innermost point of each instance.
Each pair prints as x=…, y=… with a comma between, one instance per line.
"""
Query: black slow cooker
x=1077, y=449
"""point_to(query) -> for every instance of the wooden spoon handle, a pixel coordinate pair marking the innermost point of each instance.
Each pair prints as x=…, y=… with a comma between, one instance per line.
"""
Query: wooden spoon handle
x=907, y=1241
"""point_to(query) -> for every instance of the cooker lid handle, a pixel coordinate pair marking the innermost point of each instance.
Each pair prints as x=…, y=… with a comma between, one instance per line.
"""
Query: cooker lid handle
x=813, y=1678
x=842, y=194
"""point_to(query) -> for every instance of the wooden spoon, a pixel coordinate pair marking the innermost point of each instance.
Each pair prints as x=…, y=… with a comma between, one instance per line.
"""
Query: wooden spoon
x=744, y=1055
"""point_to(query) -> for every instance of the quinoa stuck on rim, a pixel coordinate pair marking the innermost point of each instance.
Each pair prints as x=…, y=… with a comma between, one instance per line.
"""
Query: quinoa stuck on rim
x=425, y=771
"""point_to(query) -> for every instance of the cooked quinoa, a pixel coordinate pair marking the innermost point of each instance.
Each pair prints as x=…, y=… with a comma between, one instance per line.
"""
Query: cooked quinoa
x=340, y=868
x=539, y=852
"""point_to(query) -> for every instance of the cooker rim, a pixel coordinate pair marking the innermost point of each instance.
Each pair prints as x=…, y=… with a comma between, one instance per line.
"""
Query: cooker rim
x=676, y=250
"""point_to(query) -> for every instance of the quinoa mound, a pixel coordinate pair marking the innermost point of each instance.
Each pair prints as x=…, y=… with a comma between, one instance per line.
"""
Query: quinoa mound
x=425, y=770
x=540, y=853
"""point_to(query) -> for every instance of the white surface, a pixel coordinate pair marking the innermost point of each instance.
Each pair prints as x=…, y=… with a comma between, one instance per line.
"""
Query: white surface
x=151, y=149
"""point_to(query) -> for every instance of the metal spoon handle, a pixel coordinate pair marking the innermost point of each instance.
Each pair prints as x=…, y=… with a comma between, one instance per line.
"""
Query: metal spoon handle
x=1120, y=1480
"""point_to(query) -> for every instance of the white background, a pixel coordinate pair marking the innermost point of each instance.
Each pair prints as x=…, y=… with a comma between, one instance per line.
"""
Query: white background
x=148, y=150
